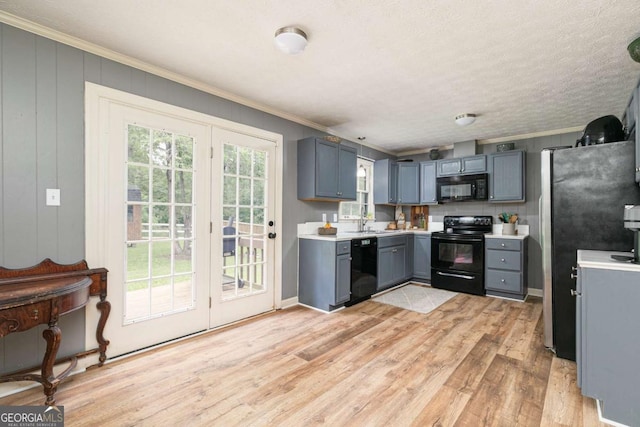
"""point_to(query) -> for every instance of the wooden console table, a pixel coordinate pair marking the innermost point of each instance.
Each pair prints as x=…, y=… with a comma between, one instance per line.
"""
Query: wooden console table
x=40, y=295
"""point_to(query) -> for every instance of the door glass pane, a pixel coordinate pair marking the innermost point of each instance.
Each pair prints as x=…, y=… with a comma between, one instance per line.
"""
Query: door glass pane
x=160, y=228
x=138, y=184
x=184, y=185
x=138, y=144
x=244, y=214
x=161, y=185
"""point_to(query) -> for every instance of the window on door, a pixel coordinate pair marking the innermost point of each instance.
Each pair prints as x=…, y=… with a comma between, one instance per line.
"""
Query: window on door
x=160, y=228
x=364, y=195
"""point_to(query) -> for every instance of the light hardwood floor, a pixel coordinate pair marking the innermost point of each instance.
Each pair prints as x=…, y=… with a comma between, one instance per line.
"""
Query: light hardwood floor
x=474, y=361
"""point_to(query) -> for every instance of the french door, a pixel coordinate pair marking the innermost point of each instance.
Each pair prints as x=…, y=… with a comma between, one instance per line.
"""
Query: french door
x=243, y=208
x=179, y=209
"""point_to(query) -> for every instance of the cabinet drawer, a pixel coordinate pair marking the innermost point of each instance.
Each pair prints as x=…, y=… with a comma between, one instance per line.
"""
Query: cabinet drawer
x=503, y=260
x=343, y=247
x=384, y=242
x=504, y=244
x=507, y=281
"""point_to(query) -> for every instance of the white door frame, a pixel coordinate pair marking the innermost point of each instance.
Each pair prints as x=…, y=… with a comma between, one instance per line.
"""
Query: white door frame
x=97, y=99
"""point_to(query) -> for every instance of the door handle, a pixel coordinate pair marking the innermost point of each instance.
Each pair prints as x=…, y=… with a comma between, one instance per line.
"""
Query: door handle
x=459, y=276
x=271, y=235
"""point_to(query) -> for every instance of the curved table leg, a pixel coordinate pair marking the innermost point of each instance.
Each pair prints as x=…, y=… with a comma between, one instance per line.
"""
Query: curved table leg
x=52, y=335
x=105, y=308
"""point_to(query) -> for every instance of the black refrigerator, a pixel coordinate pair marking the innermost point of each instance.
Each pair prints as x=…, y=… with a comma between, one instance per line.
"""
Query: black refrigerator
x=583, y=194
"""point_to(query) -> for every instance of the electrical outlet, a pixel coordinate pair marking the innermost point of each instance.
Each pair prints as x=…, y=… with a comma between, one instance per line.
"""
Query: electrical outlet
x=53, y=197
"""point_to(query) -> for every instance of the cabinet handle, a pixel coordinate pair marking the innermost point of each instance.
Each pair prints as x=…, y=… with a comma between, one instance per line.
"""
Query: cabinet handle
x=35, y=315
x=502, y=244
x=394, y=251
x=502, y=259
x=574, y=273
x=575, y=293
x=502, y=280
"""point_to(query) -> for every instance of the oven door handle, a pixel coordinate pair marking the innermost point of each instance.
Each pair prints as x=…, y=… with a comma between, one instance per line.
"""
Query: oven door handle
x=459, y=276
x=456, y=240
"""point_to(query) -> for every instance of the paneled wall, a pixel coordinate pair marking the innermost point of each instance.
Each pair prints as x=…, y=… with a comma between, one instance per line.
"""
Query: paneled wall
x=42, y=146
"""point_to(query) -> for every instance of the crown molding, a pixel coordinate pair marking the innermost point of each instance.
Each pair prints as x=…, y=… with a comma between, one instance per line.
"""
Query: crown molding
x=501, y=139
x=86, y=46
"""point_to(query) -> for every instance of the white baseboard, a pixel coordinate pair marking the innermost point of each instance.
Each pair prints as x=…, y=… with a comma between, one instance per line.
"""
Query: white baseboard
x=535, y=292
x=289, y=302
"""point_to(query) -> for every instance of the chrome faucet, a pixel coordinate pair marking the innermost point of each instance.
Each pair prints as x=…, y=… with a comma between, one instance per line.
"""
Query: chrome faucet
x=362, y=220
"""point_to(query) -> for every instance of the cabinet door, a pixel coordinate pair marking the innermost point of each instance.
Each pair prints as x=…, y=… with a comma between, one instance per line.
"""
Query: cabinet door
x=473, y=164
x=347, y=166
x=385, y=267
x=408, y=264
x=399, y=254
x=326, y=174
x=507, y=176
x=385, y=182
x=579, y=326
x=428, y=183
x=448, y=167
x=637, y=130
x=343, y=278
x=408, y=183
x=422, y=257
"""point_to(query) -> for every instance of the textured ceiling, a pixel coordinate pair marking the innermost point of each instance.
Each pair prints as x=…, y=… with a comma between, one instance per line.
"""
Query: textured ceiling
x=394, y=71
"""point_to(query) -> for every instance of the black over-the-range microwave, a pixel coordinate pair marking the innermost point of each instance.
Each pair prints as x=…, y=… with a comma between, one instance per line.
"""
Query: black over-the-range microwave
x=459, y=188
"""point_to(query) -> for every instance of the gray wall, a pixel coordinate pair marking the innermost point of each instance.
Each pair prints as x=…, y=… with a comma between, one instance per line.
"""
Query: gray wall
x=527, y=211
x=42, y=146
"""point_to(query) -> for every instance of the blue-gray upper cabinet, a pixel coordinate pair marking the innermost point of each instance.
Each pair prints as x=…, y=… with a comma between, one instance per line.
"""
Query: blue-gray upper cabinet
x=326, y=170
x=385, y=182
x=428, y=194
x=507, y=176
x=408, y=183
x=462, y=166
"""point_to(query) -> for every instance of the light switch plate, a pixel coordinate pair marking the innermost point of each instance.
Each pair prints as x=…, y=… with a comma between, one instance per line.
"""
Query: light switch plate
x=53, y=197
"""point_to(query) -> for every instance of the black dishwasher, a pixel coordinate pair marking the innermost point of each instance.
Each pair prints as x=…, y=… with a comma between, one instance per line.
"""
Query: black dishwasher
x=364, y=269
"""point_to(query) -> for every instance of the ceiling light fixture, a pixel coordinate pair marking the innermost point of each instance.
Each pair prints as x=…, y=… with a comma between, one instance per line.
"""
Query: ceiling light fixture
x=465, y=119
x=291, y=40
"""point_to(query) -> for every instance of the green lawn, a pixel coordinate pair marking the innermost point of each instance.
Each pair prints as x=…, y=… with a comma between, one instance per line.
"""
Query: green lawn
x=138, y=265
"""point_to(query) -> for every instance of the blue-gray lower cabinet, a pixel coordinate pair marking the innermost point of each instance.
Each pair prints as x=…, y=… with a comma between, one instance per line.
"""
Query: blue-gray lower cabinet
x=505, y=273
x=422, y=257
x=324, y=273
x=392, y=261
x=507, y=176
x=608, y=342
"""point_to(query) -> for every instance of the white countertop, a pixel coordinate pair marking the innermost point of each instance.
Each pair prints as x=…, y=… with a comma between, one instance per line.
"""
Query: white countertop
x=602, y=259
x=348, y=235
x=343, y=235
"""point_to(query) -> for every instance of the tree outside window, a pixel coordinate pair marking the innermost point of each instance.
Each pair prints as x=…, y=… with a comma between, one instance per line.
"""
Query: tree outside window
x=364, y=195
